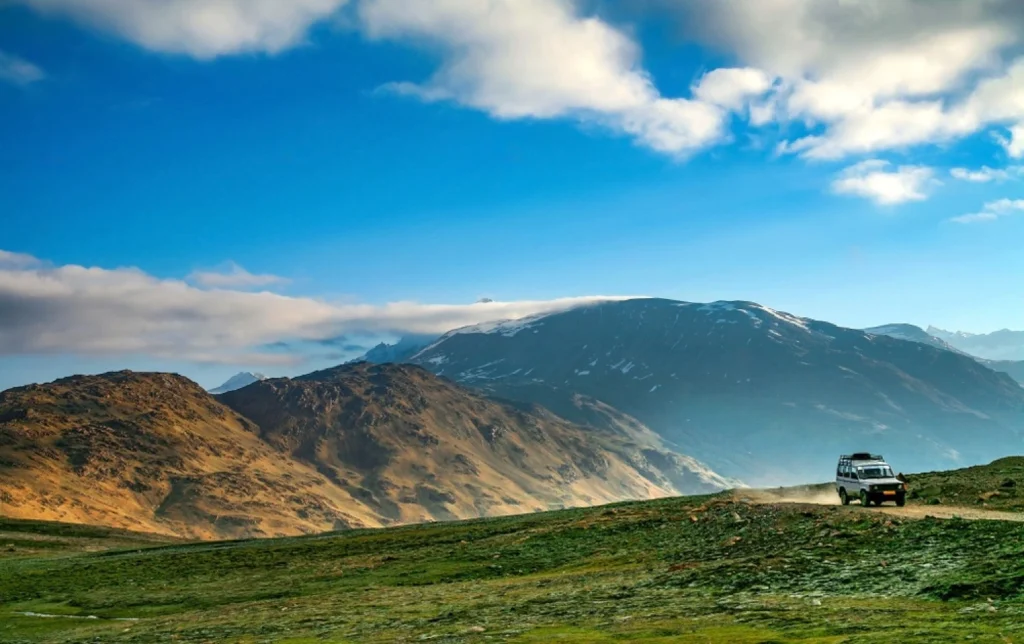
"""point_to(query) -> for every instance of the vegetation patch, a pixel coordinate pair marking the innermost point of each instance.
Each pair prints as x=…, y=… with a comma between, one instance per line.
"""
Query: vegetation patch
x=697, y=569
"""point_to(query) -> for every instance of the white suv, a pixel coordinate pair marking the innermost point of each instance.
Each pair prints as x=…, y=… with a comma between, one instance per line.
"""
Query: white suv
x=869, y=478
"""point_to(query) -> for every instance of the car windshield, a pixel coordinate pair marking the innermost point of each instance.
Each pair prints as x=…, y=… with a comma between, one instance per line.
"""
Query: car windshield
x=878, y=472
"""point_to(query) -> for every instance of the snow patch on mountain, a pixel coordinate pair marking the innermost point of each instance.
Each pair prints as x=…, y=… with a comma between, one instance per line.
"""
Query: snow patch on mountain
x=507, y=328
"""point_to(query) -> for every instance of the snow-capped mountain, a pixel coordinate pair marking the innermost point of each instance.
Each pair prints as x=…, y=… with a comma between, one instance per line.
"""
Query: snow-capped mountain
x=998, y=345
x=237, y=381
x=756, y=393
x=942, y=334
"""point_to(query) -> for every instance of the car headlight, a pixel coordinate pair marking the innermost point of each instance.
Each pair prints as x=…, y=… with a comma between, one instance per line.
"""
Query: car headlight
x=874, y=487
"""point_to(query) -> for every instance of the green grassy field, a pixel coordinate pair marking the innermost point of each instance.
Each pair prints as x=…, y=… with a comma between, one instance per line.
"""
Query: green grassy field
x=698, y=569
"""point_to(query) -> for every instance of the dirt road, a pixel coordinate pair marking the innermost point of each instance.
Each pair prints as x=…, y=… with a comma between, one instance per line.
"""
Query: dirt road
x=822, y=495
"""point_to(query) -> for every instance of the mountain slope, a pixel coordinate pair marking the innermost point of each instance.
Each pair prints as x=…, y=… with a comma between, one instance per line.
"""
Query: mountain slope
x=415, y=447
x=998, y=485
x=1012, y=368
x=756, y=393
x=154, y=452
x=238, y=381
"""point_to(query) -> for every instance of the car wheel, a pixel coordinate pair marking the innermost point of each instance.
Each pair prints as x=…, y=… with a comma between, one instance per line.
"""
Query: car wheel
x=864, y=500
x=843, y=497
x=901, y=500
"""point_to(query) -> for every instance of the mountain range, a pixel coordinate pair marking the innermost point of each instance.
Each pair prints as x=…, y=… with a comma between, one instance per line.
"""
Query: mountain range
x=1013, y=368
x=356, y=446
x=609, y=401
x=758, y=394
x=1003, y=345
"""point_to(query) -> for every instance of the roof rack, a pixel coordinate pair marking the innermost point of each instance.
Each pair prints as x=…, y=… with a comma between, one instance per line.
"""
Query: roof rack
x=861, y=456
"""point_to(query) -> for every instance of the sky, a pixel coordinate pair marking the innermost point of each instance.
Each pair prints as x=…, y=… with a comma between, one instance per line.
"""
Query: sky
x=209, y=186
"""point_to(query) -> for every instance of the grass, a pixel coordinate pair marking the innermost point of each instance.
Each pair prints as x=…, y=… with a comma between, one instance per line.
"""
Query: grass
x=997, y=486
x=21, y=538
x=696, y=569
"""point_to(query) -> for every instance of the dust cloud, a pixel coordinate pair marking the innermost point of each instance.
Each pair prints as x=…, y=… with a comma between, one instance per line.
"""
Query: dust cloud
x=814, y=495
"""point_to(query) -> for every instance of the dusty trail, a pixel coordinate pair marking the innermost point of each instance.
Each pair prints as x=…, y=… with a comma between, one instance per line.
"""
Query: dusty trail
x=825, y=495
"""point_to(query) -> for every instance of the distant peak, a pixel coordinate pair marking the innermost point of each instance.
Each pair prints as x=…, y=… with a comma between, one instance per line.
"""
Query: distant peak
x=237, y=381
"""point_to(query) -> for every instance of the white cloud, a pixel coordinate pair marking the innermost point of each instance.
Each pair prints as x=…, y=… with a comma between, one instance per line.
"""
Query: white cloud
x=855, y=40
x=1014, y=143
x=992, y=211
x=234, y=276
x=986, y=174
x=96, y=311
x=895, y=125
x=672, y=126
x=544, y=59
x=732, y=88
x=1001, y=97
x=873, y=180
x=874, y=75
x=18, y=70
x=199, y=28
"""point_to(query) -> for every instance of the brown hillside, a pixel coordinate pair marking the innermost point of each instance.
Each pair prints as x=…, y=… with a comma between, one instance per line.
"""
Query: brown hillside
x=415, y=447
x=154, y=452
x=355, y=446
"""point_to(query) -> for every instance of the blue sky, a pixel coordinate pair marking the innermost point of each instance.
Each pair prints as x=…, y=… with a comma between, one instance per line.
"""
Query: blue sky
x=348, y=156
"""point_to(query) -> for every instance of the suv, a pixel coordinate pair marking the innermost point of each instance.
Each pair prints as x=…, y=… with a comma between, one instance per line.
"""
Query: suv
x=869, y=478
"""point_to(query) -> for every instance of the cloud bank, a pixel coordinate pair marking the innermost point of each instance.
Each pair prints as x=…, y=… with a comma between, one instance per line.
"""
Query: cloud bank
x=233, y=276
x=95, y=311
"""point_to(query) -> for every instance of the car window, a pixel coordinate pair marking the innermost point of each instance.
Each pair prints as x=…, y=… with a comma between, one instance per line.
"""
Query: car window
x=876, y=472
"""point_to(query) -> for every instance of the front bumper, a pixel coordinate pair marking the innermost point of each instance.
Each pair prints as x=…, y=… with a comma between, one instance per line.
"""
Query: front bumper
x=886, y=495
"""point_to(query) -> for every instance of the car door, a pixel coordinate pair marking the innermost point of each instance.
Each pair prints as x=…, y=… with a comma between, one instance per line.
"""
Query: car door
x=852, y=482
